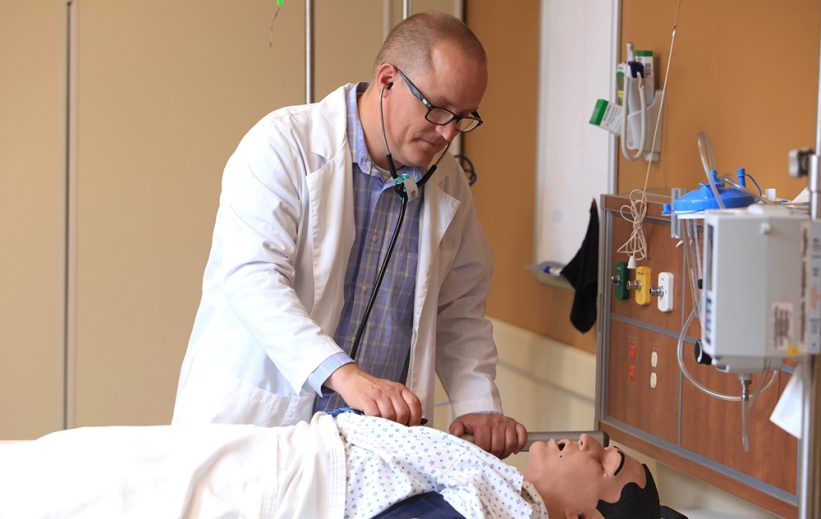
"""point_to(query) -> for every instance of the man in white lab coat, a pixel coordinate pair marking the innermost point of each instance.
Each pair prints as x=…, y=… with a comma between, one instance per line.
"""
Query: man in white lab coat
x=308, y=208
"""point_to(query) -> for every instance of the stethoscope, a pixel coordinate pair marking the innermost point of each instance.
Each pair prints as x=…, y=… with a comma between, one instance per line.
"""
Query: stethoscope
x=408, y=189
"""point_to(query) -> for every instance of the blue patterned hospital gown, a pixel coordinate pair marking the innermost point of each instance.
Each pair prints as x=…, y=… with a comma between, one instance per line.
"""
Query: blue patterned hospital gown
x=388, y=463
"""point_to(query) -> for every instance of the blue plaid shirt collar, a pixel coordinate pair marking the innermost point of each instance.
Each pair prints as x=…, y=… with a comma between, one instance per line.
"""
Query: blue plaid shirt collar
x=356, y=138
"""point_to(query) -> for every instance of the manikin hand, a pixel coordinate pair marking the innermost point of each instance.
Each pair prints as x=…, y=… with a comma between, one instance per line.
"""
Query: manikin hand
x=375, y=396
x=497, y=434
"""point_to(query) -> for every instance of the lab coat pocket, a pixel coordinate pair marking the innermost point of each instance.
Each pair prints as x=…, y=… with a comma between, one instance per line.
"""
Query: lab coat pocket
x=215, y=395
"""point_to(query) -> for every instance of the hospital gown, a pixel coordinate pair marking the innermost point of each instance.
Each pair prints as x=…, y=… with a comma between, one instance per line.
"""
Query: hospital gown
x=388, y=462
x=351, y=466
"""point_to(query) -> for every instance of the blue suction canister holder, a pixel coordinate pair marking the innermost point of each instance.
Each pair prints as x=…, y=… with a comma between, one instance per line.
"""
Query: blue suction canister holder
x=702, y=199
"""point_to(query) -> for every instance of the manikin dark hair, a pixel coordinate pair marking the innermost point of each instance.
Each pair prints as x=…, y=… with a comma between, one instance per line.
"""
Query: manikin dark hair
x=635, y=502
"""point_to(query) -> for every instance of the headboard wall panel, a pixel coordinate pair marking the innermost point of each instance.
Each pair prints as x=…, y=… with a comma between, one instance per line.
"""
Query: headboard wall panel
x=646, y=402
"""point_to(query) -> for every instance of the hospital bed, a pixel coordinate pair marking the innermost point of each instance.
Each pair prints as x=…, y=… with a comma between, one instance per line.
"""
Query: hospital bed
x=532, y=437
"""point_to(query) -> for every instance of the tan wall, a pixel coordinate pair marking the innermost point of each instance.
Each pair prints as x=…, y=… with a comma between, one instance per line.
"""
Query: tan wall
x=744, y=72
x=720, y=82
x=164, y=91
x=32, y=159
x=504, y=153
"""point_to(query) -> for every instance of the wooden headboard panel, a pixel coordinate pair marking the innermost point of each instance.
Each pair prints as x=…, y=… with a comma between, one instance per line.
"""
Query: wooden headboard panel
x=646, y=403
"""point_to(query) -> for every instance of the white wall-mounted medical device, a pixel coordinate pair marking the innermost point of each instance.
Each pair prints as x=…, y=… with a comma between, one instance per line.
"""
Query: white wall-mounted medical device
x=760, y=287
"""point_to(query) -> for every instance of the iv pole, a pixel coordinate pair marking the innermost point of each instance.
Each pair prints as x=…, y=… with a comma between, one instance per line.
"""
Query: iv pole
x=310, y=89
x=806, y=162
x=810, y=494
x=309, y=51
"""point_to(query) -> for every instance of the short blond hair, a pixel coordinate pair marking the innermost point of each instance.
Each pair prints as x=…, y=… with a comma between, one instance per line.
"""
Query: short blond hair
x=411, y=42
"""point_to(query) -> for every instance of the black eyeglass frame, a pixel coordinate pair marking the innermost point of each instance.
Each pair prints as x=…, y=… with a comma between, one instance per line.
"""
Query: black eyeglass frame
x=474, y=116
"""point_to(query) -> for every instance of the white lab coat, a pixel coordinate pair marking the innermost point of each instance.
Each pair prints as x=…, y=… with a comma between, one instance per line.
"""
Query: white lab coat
x=273, y=285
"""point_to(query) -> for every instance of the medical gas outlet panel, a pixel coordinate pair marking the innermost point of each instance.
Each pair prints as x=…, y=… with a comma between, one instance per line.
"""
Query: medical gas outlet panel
x=642, y=286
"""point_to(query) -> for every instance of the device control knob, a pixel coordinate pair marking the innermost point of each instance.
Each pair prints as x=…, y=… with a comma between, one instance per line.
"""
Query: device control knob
x=702, y=357
x=800, y=162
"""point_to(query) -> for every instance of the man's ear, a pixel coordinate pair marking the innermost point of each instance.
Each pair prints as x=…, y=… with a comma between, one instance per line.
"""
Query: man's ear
x=385, y=76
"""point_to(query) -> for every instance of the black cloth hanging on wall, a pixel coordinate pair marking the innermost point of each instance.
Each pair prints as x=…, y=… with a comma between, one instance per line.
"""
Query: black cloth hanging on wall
x=583, y=274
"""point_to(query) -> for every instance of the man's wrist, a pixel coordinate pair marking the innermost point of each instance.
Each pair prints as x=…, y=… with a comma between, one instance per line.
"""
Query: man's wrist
x=321, y=374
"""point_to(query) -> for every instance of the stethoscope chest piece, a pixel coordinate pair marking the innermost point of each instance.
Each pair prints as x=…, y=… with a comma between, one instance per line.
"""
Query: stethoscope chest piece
x=406, y=186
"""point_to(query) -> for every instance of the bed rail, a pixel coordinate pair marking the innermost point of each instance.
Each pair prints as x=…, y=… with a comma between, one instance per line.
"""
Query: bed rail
x=542, y=436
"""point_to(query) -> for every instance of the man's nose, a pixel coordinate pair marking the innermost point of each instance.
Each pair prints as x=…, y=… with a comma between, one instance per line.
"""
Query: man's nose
x=448, y=131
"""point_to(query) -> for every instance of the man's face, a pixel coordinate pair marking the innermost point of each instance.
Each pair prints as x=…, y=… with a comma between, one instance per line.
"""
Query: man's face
x=452, y=82
x=573, y=476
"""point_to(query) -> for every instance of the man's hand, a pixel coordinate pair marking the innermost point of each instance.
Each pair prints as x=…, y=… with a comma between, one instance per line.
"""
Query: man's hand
x=497, y=434
x=375, y=396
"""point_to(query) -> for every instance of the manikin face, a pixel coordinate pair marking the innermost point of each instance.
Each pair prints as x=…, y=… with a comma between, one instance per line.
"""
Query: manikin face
x=452, y=82
x=572, y=476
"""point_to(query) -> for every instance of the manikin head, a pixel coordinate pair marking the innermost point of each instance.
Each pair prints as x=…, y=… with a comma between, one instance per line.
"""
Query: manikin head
x=437, y=55
x=585, y=480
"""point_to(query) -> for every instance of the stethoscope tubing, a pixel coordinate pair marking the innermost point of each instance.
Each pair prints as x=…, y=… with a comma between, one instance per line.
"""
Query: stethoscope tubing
x=360, y=331
x=404, y=197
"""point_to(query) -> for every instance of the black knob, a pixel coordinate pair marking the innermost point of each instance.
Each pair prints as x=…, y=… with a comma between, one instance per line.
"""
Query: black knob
x=702, y=357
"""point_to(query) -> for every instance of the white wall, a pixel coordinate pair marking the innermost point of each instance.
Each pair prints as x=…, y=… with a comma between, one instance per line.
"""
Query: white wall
x=576, y=67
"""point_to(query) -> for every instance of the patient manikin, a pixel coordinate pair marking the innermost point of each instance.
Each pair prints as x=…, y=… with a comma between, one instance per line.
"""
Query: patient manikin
x=584, y=479
x=340, y=466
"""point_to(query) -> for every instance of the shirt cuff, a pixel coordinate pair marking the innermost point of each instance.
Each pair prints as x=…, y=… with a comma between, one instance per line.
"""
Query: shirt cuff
x=328, y=366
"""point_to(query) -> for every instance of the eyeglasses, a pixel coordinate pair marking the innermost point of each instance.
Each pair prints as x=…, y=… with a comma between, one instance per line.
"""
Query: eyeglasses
x=442, y=116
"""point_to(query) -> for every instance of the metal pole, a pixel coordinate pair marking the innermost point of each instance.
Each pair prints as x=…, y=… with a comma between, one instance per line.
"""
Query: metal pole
x=387, y=17
x=407, y=8
x=809, y=492
x=459, y=9
x=309, y=51
x=71, y=219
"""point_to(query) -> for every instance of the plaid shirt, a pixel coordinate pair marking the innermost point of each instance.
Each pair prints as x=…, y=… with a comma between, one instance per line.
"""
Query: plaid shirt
x=384, y=349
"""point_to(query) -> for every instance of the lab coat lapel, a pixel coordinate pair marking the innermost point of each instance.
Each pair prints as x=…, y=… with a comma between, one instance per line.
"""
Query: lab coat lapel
x=332, y=229
x=438, y=212
x=330, y=195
